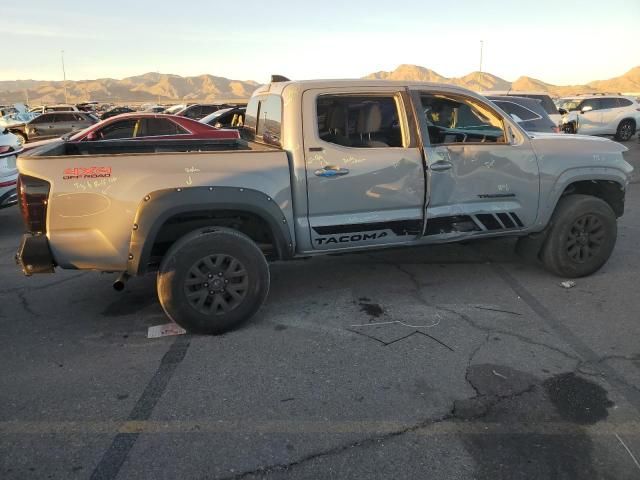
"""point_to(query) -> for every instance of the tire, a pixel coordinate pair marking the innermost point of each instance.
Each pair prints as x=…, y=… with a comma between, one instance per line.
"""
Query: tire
x=581, y=236
x=212, y=280
x=626, y=130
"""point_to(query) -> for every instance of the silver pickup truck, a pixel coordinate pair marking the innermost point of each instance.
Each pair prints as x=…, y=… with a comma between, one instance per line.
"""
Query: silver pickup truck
x=325, y=166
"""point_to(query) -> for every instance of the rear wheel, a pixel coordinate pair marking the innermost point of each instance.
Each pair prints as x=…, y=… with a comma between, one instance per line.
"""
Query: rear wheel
x=626, y=130
x=581, y=236
x=212, y=281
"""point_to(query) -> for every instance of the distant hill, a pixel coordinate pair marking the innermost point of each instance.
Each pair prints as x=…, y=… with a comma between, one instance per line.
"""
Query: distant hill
x=150, y=87
x=161, y=87
x=479, y=81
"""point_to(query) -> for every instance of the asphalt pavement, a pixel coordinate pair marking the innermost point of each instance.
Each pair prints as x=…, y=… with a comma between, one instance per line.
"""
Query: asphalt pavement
x=447, y=362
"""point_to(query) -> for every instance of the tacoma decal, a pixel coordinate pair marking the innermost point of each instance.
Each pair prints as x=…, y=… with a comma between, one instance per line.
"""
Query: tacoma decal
x=356, y=237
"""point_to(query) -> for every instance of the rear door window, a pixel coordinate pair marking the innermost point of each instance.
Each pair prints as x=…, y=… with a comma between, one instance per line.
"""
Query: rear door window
x=359, y=121
x=119, y=130
x=624, y=102
x=608, y=103
x=159, y=127
x=591, y=102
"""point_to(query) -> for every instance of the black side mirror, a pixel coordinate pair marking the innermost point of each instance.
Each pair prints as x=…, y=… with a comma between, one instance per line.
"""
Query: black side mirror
x=562, y=111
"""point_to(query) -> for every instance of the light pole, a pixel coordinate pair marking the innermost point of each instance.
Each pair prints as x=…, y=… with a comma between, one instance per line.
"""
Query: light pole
x=481, y=47
x=64, y=77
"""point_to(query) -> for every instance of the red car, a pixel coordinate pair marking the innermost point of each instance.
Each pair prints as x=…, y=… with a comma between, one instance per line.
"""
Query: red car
x=150, y=127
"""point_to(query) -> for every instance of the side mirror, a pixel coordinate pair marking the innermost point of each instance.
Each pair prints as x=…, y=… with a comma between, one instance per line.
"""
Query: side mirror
x=586, y=108
x=562, y=111
x=92, y=136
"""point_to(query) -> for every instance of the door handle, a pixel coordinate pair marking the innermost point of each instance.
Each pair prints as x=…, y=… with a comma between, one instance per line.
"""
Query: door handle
x=441, y=166
x=331, y=171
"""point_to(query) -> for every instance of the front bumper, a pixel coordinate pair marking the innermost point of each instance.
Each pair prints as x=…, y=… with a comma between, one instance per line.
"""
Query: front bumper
x=34, y=255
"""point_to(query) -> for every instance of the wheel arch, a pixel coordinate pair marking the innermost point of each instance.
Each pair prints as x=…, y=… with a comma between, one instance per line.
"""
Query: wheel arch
x=608, y=184
x=212, y=206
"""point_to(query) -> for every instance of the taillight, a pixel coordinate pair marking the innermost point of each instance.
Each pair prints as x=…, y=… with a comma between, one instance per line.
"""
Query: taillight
x=5, y=149
x=33, y=194
x=10, y=183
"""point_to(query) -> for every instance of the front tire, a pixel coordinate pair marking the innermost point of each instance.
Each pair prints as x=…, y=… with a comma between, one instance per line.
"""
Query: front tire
x=581, y=237
x=211, y=281
x=626, y=130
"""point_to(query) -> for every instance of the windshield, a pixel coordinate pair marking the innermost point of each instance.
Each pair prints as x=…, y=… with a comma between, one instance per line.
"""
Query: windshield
x=212, y=116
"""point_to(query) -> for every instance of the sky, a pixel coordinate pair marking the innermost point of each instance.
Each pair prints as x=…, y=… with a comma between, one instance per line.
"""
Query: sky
x=559, y=42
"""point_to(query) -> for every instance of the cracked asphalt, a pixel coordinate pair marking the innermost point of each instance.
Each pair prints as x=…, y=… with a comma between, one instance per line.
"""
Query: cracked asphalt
x=448, y=362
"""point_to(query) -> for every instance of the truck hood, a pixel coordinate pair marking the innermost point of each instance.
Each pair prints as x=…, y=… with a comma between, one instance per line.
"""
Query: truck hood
x=561, y=143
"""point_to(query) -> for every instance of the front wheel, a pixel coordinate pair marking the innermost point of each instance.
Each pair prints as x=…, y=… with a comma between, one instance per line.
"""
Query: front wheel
x=626, y=130
x=211, y=281
x=581, y=237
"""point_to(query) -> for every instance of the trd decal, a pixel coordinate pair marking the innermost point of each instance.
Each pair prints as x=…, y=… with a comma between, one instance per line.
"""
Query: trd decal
x=356, y=237
x=86, y=172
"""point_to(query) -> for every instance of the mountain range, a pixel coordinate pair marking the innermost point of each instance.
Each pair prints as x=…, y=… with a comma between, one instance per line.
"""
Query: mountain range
x=164, y=88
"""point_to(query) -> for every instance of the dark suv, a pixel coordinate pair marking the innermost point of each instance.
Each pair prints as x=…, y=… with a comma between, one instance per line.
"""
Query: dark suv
x=54, y=124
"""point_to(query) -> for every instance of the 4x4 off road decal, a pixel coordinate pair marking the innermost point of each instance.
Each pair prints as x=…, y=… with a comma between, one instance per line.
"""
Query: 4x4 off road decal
x=86, y=172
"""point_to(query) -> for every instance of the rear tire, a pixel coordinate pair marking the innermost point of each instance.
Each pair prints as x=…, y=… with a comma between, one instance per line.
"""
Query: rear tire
x=212, y=280
x=626, y=130
x=581, y=236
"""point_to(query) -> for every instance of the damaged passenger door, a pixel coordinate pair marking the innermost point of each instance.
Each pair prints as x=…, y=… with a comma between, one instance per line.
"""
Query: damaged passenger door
x=482, y=172
x=365, y=173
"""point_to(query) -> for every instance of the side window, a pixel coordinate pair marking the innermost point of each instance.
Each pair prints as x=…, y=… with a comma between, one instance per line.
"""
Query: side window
x=359, y=121
x=157, y=127
x=608, y=103
x=63, y=117
x=457, y=119
x=591, y=102
x=79, y=117
x=518, y=112
x=41, y=119
x=193, y=112
x=117, y=130
x=269, y=126
x=207, y=109
x=624, y=102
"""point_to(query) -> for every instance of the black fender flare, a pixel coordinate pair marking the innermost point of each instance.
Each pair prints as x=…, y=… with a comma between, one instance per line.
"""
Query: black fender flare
x=159, y=206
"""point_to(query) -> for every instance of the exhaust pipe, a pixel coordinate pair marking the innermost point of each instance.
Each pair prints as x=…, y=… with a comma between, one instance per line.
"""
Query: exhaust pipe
x=118, y=285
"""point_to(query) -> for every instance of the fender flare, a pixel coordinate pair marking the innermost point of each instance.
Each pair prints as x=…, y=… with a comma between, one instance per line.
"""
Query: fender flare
x=579, y=174
x=159, y=206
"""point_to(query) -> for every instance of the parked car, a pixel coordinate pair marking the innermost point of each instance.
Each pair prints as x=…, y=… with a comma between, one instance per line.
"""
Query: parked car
x=198, y=110
x=155, y=109
x=600, y=114
x=528, y=112
x=141, y=127
x=174, y=109
x=116, y=111
x=51, y=125
x=544, y=98
x=339, y=166
x=54, y=108
x=232, y=117
x=9, y=150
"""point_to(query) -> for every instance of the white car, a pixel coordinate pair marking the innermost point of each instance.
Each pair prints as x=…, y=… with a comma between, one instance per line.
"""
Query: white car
x=545, y=101
x=9, y=150
x=615, y=115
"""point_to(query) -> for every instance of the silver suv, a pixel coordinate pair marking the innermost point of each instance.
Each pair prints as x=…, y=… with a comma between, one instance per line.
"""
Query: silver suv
x=600, y=114
x=54, y=124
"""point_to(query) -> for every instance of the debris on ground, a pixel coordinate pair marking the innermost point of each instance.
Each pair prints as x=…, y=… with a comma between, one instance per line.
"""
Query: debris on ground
x=166, y=330
x=568, y=284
